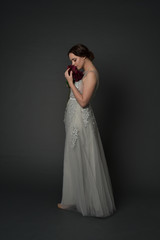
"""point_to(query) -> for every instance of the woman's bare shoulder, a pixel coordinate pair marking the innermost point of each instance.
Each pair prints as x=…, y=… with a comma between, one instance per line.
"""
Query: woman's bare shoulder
x=90, y=74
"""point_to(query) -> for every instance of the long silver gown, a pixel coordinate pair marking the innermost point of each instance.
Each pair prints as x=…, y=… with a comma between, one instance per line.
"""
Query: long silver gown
x=87, y=186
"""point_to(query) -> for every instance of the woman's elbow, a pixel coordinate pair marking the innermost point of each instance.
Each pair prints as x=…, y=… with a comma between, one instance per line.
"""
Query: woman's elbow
x=84, y=104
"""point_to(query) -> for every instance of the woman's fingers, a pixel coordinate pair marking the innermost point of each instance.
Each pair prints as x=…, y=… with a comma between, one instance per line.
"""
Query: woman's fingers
x=68, y=76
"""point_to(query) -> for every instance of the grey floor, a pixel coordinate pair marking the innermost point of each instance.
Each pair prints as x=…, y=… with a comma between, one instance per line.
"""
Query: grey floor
x=29, y=212
x=36, y=216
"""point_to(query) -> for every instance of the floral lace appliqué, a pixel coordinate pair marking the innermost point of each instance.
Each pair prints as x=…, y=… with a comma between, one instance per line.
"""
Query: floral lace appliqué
x=88, y=115
x=74, y=136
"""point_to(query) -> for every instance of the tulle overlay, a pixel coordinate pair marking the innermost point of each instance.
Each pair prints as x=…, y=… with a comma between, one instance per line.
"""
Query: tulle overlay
x=86, y=182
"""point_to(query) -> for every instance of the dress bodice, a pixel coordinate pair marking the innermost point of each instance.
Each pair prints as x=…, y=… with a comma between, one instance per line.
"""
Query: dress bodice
x=79, y=85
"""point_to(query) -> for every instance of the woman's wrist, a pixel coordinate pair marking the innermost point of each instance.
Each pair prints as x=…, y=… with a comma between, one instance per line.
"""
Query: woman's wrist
x=71, y=84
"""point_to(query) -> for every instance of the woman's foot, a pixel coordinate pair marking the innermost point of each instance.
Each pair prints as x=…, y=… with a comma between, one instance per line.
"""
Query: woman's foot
x=62, y=206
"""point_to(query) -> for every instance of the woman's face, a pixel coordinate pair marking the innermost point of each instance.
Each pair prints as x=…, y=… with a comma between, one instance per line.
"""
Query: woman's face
x=76, y=60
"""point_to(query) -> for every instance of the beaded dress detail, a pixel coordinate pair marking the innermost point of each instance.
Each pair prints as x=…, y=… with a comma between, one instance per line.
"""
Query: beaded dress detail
x=86, y=182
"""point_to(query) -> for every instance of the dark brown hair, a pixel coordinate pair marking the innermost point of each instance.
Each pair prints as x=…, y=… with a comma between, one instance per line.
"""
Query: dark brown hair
x=81, y=51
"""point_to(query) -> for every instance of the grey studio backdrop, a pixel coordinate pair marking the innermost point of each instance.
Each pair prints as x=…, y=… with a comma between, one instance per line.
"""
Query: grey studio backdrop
x=35, y=38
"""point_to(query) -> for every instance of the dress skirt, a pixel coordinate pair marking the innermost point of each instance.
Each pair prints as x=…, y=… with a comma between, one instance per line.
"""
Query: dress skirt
x=86, y=182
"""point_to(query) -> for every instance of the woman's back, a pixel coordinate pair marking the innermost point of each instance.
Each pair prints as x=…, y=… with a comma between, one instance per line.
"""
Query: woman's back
x=79, y=85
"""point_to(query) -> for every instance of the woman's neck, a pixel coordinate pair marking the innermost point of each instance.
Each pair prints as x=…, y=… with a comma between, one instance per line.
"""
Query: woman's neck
x=88, y=65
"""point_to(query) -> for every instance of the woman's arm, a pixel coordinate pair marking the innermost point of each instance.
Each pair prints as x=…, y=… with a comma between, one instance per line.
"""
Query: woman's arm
x=89, y=85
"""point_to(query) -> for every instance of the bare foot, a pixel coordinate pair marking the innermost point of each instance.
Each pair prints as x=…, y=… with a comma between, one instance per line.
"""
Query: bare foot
x=62, y=206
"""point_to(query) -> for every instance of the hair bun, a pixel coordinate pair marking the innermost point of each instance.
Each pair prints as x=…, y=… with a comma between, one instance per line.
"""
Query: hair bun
x=90, y=55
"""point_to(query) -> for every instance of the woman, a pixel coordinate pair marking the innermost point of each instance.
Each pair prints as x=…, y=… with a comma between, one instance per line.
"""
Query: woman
x=86, y=182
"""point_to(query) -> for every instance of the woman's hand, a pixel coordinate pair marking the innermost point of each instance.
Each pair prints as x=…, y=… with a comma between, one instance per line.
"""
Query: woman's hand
x=69, y=77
